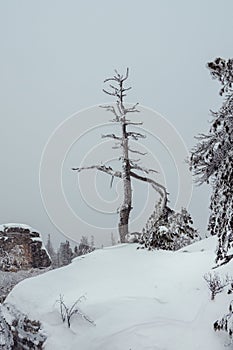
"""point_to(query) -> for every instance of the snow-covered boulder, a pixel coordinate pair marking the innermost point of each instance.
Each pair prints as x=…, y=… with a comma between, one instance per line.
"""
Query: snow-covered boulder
x=21, y=247
x=133, y=237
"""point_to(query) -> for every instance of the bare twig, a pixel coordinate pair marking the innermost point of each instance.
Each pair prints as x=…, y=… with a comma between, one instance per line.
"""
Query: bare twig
x=135, y=166
x=138, y=152
x=112, y=136
x=136, y=135
x=67, y=312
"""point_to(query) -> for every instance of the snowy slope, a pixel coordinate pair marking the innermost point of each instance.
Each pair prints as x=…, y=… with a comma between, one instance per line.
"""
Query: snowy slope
x=139, y=300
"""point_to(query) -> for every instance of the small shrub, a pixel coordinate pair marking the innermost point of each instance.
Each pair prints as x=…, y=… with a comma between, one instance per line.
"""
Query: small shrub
x=68, y=312
x=215, y=283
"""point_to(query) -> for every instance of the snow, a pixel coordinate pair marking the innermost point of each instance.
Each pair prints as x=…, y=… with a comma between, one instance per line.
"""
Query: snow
x=4, y=238
x=15, y=225
x=37, y=239
x=208, y=244
x=138, y=299
x=25, y=227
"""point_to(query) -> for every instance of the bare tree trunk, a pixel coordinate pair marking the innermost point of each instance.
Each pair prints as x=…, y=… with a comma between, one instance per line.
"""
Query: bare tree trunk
x=127, y=200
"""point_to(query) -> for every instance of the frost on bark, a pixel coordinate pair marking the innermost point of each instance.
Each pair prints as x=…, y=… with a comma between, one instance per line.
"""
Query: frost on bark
x=129, y=166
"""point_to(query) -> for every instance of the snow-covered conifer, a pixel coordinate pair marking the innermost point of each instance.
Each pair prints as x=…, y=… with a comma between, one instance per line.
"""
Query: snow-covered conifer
x=6, y=338
x=212, y=160
x=51, y=251
x=65, y=254
x=84, y=246
x=168, y=230
x=226, y=323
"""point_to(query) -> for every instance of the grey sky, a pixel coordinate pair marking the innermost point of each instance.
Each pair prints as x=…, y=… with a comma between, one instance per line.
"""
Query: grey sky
x=55, y=55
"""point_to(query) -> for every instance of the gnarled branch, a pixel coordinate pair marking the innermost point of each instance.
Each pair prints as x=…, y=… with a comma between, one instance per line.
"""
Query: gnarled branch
x=136, y=135
x=138, y=152
x=103, y=168
x=156, y=186
x=135, y=166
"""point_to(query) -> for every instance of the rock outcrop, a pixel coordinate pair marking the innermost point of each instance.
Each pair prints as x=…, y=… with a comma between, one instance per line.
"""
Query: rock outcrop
x=21, y=248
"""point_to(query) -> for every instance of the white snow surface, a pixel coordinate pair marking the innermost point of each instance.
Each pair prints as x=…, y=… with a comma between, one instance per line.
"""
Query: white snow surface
x=139, y=300
x=15, y=225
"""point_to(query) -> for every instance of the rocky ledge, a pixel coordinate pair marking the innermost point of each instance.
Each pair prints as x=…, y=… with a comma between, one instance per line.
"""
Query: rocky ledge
x=21, y=248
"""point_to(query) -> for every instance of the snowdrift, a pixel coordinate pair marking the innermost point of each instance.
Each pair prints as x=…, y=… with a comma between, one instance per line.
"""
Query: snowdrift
x=138, y=299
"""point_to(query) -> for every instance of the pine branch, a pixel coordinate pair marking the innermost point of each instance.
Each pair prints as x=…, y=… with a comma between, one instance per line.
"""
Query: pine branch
x=103, y=168
x=138, y=152
x=126, y=75
x=136, y=135
x=109, y=93
x=133, y=123
x=117, y=91
x=135, y=166
x=131, y=109
x=155, y=185
x=120, y=108
x=117, y=145
x=111, y=109
x=112, y=136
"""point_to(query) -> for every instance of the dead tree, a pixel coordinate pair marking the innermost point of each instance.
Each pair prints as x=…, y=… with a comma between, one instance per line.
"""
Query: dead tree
x=129, y=166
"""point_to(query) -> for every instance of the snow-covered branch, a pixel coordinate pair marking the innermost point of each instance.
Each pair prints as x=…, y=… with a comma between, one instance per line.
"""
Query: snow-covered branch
x=133, y=123
x=155, y=185
x=135, y=166
x=103, y=168
x=117, y=91
x=112, y=136
x=136, y=135
x=110, y=108
x=138, y=152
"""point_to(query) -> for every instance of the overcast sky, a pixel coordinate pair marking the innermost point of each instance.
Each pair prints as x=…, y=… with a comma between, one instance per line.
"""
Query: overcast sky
x=54, y=57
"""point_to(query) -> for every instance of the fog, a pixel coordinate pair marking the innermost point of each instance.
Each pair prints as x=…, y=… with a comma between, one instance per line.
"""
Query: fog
x=54, y=58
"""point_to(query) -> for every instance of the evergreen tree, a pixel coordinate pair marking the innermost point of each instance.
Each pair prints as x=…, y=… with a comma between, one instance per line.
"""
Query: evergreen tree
x=212, y=160
x=226, y=323
x=75, y=251
x=84, y=246
x=65, y=254
x=6, y=338
x=113, y=241
x=92, y=242
x=168, y=230
x=51, y=251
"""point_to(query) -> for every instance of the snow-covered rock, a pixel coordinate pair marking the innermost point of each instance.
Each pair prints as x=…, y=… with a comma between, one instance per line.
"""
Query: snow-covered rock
x=133, y=237
x=21, y=247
